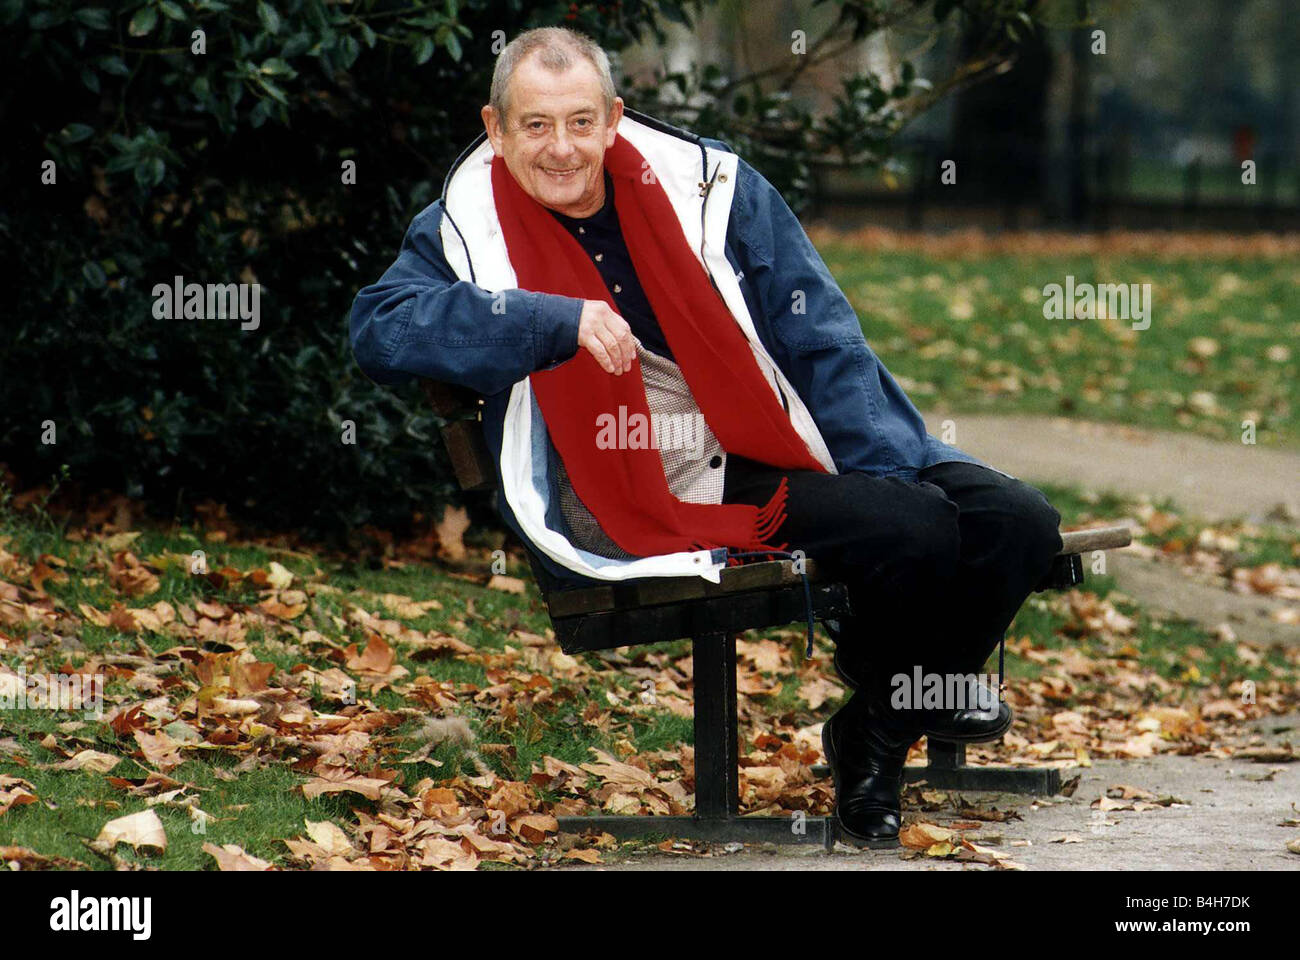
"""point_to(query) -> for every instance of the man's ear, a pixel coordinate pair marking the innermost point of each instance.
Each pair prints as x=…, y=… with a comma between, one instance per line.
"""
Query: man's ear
x=492, y=124
x=615, y=115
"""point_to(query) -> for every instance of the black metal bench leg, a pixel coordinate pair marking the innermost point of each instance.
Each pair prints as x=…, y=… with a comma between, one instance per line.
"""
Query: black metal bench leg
x=946, y=769
x=717, y=769
x=946, y=756
x=717, y=734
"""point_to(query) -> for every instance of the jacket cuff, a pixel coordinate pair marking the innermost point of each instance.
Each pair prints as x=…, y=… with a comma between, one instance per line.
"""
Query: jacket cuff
x=555, y=328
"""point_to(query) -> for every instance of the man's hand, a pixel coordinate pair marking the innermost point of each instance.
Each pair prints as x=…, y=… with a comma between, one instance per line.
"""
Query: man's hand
x=607, y=337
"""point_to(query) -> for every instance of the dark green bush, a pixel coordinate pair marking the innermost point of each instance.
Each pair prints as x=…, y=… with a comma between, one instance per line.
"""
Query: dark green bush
x=221, y=167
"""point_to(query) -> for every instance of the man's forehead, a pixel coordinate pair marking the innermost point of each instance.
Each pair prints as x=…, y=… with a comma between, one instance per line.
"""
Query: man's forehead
x=536, y=90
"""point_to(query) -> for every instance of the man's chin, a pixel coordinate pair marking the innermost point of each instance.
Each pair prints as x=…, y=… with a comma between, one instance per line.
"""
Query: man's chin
x=561, y=202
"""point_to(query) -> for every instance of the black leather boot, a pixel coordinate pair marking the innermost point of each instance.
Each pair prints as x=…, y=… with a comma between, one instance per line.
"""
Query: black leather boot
x=867, y=750
x=969, y=725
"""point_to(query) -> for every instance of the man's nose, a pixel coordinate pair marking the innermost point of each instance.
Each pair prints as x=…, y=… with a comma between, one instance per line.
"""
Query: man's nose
x=563, y=145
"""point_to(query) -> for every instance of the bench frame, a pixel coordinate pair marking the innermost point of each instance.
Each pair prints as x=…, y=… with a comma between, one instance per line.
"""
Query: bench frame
x=752, y=596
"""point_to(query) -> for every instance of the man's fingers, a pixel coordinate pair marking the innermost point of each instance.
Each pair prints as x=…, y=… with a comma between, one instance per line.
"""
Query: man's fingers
x=610, y=340
x=613, y=350
x=597, y=350
x=625, y=341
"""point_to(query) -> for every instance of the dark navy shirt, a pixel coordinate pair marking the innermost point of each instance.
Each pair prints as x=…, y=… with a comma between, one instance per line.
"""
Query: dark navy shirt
x=602, y=238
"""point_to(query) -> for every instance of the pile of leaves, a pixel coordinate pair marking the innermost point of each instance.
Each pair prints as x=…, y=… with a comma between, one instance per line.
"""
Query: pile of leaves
x=414, y=746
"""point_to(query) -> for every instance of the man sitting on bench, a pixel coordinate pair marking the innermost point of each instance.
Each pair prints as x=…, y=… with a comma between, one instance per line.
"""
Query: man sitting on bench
x=673, y=381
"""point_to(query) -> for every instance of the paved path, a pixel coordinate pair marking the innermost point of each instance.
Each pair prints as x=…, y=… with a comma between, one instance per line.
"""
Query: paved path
x=1165, y=588
x=1231, y=821
x=1211, y=478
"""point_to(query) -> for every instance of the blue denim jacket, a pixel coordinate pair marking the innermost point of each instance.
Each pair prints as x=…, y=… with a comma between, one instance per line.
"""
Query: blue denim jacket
x=448, y=310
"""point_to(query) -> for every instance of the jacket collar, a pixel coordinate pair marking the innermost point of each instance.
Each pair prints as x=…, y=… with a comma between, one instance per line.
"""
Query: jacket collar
x=472, y=238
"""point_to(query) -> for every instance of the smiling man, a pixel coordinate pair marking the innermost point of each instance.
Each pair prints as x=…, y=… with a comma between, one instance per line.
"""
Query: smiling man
x=556, y=145
x=588, y=264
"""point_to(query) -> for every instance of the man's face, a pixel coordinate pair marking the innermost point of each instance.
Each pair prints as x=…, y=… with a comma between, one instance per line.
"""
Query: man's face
x=554, y=140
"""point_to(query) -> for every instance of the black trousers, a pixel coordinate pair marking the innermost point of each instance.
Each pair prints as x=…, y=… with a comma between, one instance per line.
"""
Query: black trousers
x=936, y=569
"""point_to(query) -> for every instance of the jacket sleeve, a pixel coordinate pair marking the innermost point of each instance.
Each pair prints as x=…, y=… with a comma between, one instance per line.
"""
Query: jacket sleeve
x=420, y=320
x=867, y=421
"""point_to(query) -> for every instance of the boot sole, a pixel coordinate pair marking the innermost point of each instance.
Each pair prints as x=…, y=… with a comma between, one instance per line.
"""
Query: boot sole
x=843, y=832
x=987, y=737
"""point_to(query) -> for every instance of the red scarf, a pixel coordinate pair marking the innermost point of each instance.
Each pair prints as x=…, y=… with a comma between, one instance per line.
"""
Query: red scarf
x=626, y=490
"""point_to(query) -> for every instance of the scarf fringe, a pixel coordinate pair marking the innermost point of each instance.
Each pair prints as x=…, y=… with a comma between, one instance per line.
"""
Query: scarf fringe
x=772, y=514
x=767, y=521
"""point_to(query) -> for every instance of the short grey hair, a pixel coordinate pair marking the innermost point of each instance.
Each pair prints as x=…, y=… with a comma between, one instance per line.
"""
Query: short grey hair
x=556, y=48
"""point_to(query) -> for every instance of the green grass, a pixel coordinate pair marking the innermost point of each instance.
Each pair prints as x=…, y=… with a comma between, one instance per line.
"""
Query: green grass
x=256, y=811
x=969, y=335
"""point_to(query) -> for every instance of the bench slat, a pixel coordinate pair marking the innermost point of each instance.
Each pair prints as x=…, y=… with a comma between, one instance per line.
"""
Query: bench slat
x=663, y=590
x=1100, y=538
x=745, y=610
x=756, y=576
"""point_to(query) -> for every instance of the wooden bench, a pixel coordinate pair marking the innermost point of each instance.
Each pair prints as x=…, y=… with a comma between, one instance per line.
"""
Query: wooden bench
x=750, y=597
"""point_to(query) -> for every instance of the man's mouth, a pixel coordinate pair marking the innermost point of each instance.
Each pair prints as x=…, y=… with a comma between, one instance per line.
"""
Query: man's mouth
x=561, y=174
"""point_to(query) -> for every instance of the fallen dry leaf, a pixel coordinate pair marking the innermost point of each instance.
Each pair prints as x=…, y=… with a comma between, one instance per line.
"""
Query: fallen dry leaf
x=90, y=760
x=142, y=829
x=922, y=835
x=330, y=837
x=15, y=792
x=159, y=750
x=232, y=858
x=507, y=584
x=450, y=531
x=368, y=787
x=21, y=858
x=278, y=576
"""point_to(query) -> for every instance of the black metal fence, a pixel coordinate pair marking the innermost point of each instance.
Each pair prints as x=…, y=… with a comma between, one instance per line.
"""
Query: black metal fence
x=1105, y=188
